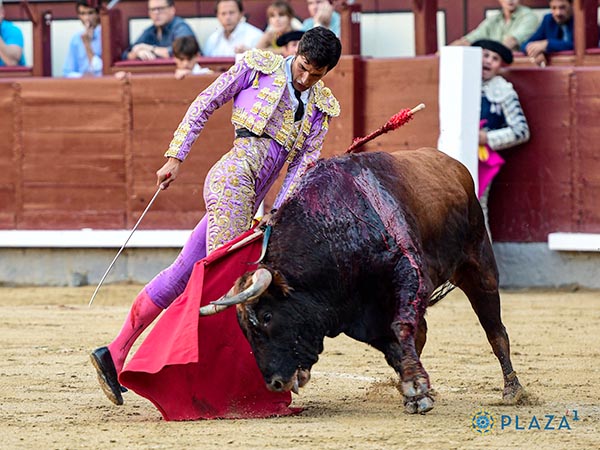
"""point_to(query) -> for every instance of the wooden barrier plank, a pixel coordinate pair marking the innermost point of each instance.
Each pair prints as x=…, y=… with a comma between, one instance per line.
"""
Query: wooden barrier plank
x=391, y=85
x=342, y=129
x=586, y=160
x=528, y=211
x=73, y=166
x=8, y=206
x=39, y=197
x=99, y=172
x=8, y=156
x=60, y=219
x=533, y=193
x=178, y=197
x=546, y=157
x=7, y=131
x=157, y=110
x=549, y=184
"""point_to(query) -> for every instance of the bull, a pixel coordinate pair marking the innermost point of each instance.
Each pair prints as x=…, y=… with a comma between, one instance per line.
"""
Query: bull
x=359, y=249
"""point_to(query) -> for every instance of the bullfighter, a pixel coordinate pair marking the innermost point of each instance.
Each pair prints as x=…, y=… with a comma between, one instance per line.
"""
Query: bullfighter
x=281, y=113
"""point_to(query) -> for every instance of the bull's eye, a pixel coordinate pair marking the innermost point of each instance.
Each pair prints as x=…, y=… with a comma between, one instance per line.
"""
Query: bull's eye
x=266, y=318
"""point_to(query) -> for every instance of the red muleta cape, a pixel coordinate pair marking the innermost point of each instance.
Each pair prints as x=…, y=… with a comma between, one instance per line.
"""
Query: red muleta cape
x=193, y=367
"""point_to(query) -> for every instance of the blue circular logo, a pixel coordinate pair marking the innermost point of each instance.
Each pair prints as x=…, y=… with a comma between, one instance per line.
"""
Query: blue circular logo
x=483, y=422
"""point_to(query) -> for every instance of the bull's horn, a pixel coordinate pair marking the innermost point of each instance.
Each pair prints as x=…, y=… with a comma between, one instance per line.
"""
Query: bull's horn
x=260, y=282
x=209, y=310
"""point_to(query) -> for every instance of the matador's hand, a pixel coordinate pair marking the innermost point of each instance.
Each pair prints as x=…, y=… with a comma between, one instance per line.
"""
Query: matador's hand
x=266, y=219
x=167, y=173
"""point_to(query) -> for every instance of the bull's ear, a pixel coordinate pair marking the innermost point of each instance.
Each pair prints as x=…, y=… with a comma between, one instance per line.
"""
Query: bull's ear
x=280, y=282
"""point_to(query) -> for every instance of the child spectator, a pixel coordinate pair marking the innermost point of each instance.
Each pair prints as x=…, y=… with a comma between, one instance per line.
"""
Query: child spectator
x=289, y=42
x=186, y=52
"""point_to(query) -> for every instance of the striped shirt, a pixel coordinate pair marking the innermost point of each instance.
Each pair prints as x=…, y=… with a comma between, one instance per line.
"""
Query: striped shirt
x=506, y=124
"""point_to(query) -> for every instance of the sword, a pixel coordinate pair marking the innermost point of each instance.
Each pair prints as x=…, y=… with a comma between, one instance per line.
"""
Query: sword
x=126, y=241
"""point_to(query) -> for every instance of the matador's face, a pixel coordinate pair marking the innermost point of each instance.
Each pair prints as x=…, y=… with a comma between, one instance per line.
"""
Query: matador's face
x=304, y=74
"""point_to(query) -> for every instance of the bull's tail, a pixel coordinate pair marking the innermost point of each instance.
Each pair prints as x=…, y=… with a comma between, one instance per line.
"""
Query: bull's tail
x=441, y=292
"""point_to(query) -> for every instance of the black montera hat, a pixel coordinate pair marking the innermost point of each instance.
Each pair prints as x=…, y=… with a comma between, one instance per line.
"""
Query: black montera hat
x=289, y=37
x=495, y=47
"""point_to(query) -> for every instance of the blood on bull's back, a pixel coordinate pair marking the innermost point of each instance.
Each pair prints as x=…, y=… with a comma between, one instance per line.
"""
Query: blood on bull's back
x=358, y=249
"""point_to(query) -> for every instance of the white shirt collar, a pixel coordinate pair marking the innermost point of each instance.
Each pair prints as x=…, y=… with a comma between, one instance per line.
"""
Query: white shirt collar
x=288, y=73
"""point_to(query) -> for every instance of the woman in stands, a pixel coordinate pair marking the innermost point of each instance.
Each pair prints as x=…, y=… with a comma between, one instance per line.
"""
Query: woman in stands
x=280, y=16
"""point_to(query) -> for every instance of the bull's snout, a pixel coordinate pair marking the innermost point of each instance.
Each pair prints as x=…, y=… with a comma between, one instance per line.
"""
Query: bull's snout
x=299, y=379
x=277, y=384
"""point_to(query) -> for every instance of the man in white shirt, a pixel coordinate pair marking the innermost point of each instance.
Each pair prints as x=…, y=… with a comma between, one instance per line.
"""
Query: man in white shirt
x=235, y=35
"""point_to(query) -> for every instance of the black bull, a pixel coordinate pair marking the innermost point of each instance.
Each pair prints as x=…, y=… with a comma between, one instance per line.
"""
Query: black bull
x=359, y=249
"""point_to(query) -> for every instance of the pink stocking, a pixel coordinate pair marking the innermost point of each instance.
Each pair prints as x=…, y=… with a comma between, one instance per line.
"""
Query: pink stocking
x=142, y=313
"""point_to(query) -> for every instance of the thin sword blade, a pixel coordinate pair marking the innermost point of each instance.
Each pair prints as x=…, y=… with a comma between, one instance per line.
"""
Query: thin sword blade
x=123, y=247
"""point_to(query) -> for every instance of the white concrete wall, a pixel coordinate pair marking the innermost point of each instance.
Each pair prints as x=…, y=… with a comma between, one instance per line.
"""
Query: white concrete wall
x=80, y=267
x=386, y=35
x=61, y=32
x=521, y=266
x=536, y=266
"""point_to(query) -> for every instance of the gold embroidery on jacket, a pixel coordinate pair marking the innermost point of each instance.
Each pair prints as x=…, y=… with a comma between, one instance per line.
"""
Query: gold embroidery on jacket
x=178, y=138
x=325, y=101
x=263, y=61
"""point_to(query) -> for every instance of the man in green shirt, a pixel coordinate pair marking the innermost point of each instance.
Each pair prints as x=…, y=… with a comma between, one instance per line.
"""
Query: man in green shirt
x=512, y=26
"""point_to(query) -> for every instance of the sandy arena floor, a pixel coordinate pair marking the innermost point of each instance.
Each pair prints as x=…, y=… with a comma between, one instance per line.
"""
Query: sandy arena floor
x=50, y=398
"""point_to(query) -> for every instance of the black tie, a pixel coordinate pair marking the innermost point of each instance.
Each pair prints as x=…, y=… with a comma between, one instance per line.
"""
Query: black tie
x=300, y=109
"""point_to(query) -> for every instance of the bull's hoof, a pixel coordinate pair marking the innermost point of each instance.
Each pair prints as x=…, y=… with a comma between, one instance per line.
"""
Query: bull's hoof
x=513, y=395
x=417, y=398
x=410, y=407
x=418, y=405
x=513, y=391
x=424, y=405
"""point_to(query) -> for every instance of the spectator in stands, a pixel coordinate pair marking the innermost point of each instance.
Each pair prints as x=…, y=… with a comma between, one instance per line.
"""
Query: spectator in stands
x=289, y=42
x=281, y=19
x=281, y=113
x=156, y=41
x=235, y=35
x=554, y=34
x=512, y=26
x=186, y=52
x=502, y=121
x=322, y=14
x=85, y=50
x=11, y=42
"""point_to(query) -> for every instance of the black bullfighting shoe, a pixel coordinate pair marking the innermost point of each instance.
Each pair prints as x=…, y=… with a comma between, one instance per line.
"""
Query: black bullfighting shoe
x=107, y=374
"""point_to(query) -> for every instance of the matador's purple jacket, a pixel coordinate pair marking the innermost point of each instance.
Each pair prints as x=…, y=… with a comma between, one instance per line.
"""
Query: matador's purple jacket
x=262, y=104
x=238, y=182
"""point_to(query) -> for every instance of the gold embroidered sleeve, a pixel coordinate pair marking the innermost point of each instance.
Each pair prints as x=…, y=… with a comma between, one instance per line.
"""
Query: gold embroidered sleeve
x=303, y=159
x=223, y=89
